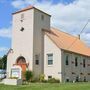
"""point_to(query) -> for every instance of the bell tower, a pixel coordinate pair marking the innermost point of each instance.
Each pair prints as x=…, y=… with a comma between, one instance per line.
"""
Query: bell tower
x=28, y=38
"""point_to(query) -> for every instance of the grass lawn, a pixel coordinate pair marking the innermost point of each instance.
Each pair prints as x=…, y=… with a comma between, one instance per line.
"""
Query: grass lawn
x=46, y=86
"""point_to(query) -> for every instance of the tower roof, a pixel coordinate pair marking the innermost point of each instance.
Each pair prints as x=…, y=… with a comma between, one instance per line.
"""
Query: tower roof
x=28, y=8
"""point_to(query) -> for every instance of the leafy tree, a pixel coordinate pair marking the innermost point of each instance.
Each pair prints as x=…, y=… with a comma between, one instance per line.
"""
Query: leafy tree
x=3, y=62
x=0, y=63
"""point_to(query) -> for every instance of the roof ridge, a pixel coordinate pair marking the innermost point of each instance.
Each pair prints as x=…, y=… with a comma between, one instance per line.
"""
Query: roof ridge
x=65, y=32
x=70, y=35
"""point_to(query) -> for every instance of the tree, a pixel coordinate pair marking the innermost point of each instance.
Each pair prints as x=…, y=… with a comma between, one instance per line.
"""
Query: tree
x=0, y=63
x=3, y=62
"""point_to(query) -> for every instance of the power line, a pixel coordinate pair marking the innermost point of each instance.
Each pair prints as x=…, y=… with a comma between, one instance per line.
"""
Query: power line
x=79, y=34
x=84, y=26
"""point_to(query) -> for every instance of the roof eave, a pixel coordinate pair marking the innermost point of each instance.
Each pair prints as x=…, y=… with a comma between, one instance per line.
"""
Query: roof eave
x=75, y=52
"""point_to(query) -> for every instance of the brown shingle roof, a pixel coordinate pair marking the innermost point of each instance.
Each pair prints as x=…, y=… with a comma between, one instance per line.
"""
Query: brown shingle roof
x=68, y=42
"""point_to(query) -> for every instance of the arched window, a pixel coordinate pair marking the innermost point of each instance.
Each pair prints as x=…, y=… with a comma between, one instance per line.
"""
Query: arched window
x=21, y=60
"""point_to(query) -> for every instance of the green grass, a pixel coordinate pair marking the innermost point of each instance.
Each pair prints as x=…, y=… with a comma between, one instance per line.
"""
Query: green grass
x=46, y=86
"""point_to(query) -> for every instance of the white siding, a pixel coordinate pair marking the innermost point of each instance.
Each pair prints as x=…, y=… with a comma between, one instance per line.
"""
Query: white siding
x=22, y=42
x=55, y=69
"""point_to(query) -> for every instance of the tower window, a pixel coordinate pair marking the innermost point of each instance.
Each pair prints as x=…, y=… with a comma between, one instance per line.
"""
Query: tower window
x=37, y=59
x=67, y=62
x=22, y=17
x=76, y=61
x=22, y=29
x=37, y=62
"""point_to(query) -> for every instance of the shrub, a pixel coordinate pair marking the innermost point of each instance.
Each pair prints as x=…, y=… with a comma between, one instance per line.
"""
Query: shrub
x=45, y=81
x=53, y=80
x=42, y=77
x=28, y=75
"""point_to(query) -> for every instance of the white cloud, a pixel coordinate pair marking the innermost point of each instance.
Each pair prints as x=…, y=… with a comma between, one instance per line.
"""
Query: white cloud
x=5, y=32
x=22, y=3
x=70, y=18
x=3, y=49
x=86, y=38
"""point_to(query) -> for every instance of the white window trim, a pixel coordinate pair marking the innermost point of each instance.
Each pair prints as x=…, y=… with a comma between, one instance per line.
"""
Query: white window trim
x=47, y=60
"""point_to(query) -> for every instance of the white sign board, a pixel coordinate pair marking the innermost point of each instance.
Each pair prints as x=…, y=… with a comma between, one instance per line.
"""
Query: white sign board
x=16, y=71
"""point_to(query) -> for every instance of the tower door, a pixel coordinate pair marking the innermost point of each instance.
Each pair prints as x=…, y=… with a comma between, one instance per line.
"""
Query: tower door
x=22, y=63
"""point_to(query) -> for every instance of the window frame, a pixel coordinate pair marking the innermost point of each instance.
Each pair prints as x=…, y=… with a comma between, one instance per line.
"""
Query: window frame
x=49, y=59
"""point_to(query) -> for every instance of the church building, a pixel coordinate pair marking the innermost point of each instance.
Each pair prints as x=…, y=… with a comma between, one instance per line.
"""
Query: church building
x=45, y=50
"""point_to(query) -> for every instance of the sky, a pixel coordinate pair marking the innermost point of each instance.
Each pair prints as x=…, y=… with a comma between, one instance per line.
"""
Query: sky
x=67, y=15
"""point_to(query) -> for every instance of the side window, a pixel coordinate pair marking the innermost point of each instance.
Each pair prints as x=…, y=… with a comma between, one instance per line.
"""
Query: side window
x=84, y=63
x=67, y=61
x=77, y=79
x=84, y=79
x=67, y=80
x=76, y=61
x=50, y=59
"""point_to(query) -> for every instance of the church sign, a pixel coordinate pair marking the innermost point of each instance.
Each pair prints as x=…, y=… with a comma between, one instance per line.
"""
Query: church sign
x=16, y=72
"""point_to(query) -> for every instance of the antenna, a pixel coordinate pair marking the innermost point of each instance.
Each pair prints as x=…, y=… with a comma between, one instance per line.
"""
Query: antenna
x=79, y=33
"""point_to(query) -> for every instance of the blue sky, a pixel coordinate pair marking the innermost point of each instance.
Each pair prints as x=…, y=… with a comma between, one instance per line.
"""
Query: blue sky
x=6, y=9
x=62, y=11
